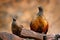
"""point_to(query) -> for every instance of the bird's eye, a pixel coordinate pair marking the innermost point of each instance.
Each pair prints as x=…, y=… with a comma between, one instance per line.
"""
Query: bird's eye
x=14, y=18
x=40, y=9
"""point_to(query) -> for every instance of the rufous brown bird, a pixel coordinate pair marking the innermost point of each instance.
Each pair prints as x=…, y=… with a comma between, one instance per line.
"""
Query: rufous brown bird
x=39, y=24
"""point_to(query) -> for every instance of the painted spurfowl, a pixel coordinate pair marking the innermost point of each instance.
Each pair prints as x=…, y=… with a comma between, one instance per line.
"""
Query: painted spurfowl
x=39, y=24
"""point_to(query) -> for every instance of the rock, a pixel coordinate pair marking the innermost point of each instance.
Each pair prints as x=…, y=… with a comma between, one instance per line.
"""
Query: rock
x=8, y=36
x=31, y=34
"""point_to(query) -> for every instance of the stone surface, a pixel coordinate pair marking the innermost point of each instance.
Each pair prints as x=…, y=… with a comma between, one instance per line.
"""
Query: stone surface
x=31, y=34
x=8, y=36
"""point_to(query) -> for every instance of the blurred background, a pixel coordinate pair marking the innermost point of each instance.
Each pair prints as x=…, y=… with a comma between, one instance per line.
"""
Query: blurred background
x=26, y=10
